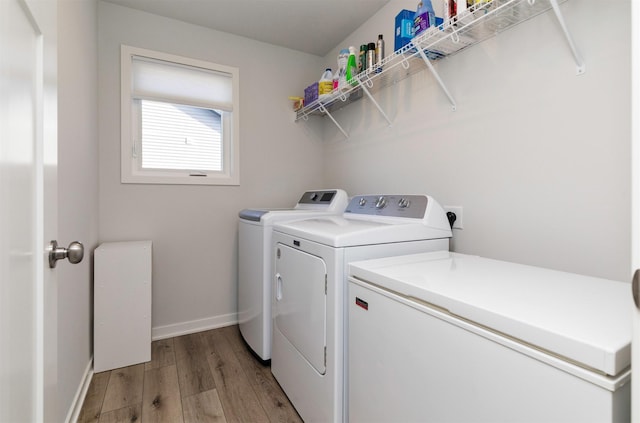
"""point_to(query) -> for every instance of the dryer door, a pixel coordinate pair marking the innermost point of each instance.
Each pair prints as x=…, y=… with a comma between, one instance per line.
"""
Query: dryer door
x=301, y=303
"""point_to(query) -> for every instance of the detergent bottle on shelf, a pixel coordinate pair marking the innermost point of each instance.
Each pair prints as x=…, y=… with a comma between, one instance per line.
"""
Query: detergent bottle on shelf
x=424, y=18
x=420, y=20
x=343, y=59
x=352, y=67
x=325, y=85
x=431, y=14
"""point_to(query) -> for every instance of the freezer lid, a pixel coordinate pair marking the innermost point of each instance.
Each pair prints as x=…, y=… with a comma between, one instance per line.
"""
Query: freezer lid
x=580, y=318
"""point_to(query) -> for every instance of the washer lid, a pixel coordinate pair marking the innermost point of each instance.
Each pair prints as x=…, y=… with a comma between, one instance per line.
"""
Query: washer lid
x=271, y=217
x=253, y=215
x=312, y=203
x=582, y=318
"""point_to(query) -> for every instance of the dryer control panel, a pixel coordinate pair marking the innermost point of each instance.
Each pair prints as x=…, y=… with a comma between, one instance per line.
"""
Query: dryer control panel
x=412, y=206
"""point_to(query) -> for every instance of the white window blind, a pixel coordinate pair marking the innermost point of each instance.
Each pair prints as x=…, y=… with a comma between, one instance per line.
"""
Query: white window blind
x=178, y=137
x=176, y=83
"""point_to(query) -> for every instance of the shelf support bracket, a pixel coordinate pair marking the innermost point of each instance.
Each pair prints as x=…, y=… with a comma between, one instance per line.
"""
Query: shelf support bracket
x=580, y=66
x=325, y=111
x=373, y=100
x=435, y=74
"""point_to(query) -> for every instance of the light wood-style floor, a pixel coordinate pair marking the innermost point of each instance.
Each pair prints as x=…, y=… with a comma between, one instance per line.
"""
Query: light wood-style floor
x=203, y=377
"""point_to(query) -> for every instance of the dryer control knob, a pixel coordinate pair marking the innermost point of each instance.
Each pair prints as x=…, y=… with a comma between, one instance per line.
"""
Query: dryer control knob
x=403, y=203
x=381, y=203
x=362, y=202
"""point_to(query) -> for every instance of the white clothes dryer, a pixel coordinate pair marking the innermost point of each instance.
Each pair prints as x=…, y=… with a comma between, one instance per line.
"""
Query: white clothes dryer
x=310, y=286
x=254, y=261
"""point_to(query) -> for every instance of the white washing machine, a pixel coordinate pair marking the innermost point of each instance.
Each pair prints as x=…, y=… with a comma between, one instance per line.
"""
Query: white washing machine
x=254, y=261
x=310, y=286
x=446, y=337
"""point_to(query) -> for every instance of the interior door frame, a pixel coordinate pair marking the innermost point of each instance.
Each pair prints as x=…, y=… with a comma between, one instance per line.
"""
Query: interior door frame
x=635, y=201
x=45, y=14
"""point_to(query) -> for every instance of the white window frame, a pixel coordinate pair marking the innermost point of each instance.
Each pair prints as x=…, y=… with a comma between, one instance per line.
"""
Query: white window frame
x=131, y=170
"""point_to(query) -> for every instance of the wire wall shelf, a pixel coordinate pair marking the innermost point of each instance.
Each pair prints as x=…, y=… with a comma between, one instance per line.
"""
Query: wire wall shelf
x=481, y=21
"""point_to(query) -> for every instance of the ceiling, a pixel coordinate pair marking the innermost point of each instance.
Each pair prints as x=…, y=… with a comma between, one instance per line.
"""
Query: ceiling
x=311, y=26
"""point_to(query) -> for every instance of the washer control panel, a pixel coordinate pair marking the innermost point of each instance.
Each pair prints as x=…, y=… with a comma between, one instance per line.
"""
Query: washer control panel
x=413, y=206
x=328, y=200
x=317, y=197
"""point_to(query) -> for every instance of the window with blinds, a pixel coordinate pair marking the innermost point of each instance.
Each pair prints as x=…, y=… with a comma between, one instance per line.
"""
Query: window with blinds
x=180, y=137
x=179, y=120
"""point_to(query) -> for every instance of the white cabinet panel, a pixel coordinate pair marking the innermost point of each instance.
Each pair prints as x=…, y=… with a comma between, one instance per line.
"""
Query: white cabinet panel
x=122, y=304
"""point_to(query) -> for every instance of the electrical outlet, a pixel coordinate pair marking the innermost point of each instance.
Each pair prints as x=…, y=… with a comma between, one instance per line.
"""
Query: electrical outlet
x=458, y=212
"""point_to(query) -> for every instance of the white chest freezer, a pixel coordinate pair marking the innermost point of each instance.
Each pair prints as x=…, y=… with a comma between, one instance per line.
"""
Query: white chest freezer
x=454, y=338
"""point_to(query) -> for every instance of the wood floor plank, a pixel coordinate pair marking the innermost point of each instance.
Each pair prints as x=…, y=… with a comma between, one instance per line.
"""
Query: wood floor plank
x=124, y=388
x=234, y=337
x=232, y=333
x=129, y=414
x=194, y=374
x=161, y=400
x=238, y=399
x=241, y=388
x=162, y=354
x=269, y=393
x=92, y=406
x=204, y=407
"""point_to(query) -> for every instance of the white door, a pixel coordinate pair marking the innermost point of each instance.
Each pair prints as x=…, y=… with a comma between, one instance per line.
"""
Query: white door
x=28, y=209
x=635, y=200
x=300, y=310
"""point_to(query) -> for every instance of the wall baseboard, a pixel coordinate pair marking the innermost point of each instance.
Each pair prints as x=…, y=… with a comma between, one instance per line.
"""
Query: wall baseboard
x=81, y=394
x=185, y=328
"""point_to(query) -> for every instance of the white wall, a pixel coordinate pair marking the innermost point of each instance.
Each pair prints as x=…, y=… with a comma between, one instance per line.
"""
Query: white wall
x=538, y=157
x=77, y=190
x=193, y=228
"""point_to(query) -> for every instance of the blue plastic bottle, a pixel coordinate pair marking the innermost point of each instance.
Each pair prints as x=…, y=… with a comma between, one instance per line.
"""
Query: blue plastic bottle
x=424, y=18
x=420, y=20
x=430, y=13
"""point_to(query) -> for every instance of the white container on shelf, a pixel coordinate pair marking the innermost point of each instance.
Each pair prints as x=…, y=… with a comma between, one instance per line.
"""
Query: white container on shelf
x=325, y=86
